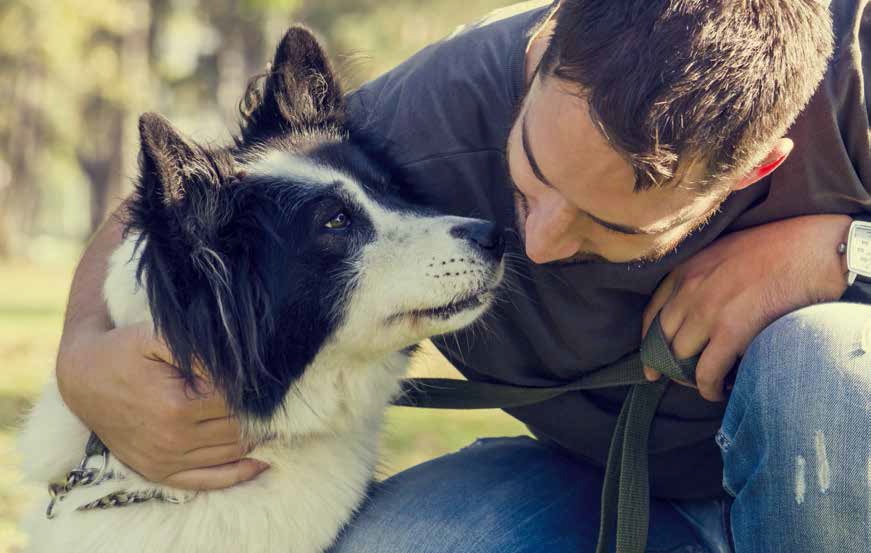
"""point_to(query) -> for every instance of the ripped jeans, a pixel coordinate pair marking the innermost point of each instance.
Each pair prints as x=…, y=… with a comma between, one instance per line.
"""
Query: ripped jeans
x=796, y=437
x=796, y=445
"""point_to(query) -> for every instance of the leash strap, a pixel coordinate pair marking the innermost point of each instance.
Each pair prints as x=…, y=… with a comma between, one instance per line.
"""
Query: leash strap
x=626, y=493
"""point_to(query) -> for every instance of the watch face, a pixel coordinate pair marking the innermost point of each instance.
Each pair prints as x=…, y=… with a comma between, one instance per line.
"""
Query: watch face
x=859, y=249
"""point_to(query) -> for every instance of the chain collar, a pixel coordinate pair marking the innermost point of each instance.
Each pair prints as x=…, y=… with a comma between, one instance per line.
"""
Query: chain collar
x=84, y=476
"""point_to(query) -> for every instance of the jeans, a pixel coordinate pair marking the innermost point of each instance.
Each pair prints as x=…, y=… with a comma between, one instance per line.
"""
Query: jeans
x=796, y=446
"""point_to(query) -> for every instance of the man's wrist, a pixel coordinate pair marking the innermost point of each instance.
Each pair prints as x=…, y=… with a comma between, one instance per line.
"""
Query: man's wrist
x=845, y=243
x=68, y=366
x=838, y=270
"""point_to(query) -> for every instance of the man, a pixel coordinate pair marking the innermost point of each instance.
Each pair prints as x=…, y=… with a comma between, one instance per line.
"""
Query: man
x=631, y=144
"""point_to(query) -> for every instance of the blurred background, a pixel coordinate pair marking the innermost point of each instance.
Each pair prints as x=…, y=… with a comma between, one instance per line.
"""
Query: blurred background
x=74, y=77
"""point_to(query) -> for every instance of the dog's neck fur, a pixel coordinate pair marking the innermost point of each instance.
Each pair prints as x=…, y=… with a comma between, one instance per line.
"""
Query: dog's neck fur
x=329, y=434
x=341, y=389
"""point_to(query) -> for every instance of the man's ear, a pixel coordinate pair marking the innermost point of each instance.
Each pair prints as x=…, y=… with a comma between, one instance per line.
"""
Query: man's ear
x=168, y=160
x=300, y=90
x=772, y=161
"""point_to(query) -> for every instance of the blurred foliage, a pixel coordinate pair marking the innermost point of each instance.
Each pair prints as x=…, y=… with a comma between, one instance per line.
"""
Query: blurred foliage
x=74, y=77
x=75, y=74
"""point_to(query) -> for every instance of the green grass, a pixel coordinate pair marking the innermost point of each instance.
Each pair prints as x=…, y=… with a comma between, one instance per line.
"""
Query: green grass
x=32, y=300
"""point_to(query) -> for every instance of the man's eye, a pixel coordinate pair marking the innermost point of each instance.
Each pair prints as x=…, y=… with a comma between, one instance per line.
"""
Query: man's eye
x=339, y=221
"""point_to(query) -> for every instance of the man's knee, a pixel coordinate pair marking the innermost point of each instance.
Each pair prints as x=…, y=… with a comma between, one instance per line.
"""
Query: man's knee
x=810, y=352
x=806, y=375
x=796, y=432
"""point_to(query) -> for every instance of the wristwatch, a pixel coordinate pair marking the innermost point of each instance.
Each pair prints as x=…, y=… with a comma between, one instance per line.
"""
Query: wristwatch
x=858, y=251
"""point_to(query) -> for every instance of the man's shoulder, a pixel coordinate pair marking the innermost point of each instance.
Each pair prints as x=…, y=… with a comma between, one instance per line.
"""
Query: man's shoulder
x=501, y=15
x=455, y=95
x=829, y=170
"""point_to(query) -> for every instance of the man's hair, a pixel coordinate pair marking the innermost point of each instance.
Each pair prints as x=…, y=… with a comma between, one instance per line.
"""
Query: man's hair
x=672, y=82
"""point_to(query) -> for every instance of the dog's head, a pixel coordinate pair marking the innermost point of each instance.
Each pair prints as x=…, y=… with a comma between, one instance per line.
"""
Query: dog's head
x=258, y=257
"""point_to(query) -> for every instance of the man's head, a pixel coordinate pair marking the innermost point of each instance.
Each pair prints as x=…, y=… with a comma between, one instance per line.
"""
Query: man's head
x=641, y=116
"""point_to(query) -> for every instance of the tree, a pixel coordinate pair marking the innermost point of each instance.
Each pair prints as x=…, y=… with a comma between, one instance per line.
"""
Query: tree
x=75, y=75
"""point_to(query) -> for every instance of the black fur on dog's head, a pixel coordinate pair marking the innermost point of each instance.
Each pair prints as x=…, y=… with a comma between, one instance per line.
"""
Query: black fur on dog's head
x=258, y=256
x=216, y=241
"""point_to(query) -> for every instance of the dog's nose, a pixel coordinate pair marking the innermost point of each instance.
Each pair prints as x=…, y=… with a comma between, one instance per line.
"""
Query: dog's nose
x=483, y=235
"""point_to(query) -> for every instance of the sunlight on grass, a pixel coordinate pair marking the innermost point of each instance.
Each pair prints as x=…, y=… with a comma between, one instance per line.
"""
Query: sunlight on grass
x=32, y=300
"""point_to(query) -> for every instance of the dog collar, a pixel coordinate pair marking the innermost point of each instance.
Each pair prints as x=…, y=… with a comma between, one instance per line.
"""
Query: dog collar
x=85, y=476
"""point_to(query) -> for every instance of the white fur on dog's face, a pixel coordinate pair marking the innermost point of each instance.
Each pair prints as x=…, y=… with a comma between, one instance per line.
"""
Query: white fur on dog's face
x=412, y=268
x=410, y=279
x=400, y=280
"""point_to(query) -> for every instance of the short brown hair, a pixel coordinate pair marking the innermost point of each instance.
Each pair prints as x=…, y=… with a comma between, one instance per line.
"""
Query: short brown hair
x=669, y=81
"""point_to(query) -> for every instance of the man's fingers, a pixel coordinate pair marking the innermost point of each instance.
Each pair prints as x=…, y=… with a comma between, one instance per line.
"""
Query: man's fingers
x=671, y=318
x=691, y=338
x=216, y=478
x=151, y=346
x=224, y=430
x=214, y=455
x=688, y=340
x=651, y=375
x=207, y=404
x=685, y=341
x=717, y=360
x=659, y=298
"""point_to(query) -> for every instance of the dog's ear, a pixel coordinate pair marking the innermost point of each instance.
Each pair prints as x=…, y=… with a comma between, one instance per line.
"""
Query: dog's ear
x=300, y=91
x=169, y=161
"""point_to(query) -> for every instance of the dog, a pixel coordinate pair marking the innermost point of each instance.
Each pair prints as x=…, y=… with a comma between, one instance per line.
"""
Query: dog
x=288, y=267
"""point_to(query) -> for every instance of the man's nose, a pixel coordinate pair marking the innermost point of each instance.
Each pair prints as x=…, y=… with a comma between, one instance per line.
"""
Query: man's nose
x=550, y=236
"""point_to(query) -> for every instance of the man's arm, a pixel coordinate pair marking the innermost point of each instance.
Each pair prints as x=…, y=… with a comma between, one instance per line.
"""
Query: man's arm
x=85, y=307
x=717, y=301
x=119, y=383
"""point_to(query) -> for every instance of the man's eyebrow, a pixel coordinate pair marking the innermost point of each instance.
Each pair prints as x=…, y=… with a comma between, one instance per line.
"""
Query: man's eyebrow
x=524, y=139
x=625, y=229
x=616, y=227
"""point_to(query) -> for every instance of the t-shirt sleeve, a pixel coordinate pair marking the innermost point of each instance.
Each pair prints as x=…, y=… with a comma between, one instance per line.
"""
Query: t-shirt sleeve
x=829, y=170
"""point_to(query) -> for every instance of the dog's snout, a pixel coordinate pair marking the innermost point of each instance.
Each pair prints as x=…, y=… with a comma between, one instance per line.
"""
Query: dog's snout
x=483, y=235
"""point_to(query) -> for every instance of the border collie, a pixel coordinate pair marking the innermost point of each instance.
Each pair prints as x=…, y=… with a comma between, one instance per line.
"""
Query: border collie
x=289, y=268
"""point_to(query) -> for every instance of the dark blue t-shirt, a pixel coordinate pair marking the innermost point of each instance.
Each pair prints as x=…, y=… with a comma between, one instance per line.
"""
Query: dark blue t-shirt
x=444, y=116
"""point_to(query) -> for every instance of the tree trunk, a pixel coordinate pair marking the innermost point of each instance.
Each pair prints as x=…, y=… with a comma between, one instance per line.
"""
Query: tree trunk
x=19, y=198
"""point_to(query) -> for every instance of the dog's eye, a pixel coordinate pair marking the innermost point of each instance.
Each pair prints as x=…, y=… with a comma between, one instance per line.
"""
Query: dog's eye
x=339, y=221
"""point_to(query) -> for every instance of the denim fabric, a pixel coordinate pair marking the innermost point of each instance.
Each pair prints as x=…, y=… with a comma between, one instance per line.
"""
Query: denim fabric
x=795, y=439
x=796, y=435
x=503, y=495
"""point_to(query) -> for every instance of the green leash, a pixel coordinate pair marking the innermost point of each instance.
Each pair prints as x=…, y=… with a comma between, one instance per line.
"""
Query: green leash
x=626, y=493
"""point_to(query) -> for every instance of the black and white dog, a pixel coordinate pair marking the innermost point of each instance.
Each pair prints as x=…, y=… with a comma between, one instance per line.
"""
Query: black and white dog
x=287, y=266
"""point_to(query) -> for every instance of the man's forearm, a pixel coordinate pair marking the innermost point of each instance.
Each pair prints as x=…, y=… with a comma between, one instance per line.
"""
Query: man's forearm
x=86, y=305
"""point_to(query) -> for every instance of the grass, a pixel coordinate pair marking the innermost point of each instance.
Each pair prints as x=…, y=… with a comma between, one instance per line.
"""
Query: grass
x=32, y=300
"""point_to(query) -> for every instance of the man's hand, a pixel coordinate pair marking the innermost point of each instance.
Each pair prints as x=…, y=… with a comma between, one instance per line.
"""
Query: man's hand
x=716, y=302
x=121, y=386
